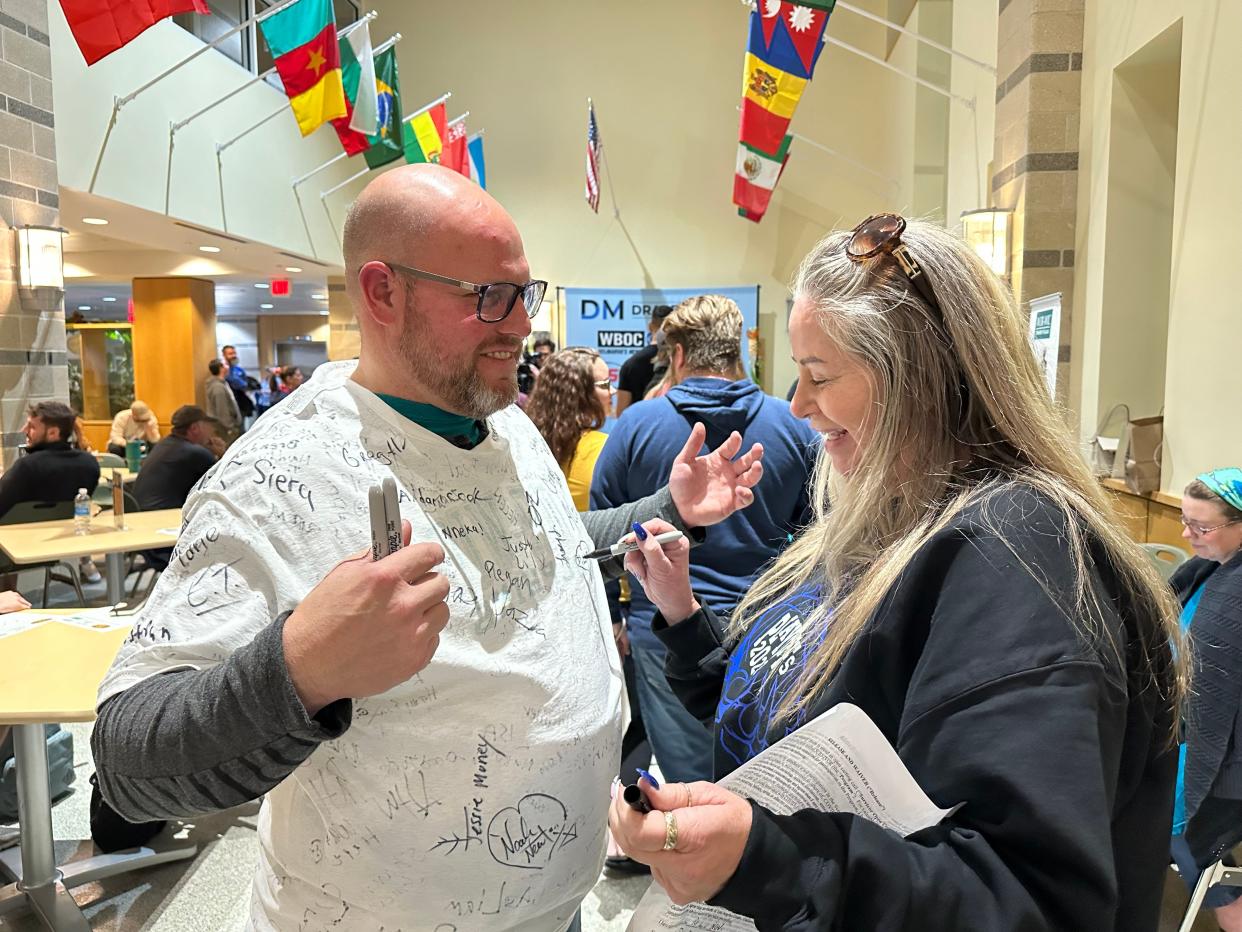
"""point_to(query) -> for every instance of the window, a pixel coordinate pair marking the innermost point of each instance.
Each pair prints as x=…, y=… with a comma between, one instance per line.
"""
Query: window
x=246, y=47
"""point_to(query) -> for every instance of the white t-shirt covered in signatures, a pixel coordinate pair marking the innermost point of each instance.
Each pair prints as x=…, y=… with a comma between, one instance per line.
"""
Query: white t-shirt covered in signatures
x=474, y=796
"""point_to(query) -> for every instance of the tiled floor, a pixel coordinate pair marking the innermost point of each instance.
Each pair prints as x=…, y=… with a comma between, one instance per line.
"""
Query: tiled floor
x=211, y=892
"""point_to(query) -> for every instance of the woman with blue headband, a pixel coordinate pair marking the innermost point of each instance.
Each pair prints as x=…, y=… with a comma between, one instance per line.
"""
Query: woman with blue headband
x=1207, y=818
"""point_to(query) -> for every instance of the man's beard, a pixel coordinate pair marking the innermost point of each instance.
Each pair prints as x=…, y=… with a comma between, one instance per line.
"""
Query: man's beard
x=463, y=390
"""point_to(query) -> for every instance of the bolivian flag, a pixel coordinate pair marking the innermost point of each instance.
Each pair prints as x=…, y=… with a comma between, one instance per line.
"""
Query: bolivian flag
x=302, y=39
x=785, y=43
x=424, y=135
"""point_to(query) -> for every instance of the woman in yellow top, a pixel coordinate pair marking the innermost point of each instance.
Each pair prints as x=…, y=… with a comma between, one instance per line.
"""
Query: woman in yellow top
x=569, y=406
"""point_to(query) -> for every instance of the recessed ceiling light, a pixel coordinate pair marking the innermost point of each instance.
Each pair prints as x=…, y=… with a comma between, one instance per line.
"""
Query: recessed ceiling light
x=260, y=284
x=95, y=221
x=208, y=248
x=109, y=299
x=267, y=306
x=292, y=268
x=318, y=297
x=84, y=307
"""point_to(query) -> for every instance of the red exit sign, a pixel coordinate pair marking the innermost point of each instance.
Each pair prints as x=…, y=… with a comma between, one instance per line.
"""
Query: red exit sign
x=279, y=287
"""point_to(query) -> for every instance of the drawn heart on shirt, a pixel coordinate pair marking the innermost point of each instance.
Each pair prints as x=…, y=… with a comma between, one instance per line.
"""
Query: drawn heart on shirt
x=528, y=834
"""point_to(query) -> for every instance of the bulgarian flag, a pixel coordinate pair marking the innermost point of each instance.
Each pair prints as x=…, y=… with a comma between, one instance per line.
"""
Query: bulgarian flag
x=756, y=177
x=424, y=134
x=100, y=27
x=361, y=96
x=455, y=154
x=302, y=39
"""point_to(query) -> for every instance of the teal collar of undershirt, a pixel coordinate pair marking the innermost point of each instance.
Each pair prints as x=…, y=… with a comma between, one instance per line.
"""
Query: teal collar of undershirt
x=437, y=420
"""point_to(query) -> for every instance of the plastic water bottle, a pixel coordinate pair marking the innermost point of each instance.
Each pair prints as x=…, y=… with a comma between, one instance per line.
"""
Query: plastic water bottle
x=82, y=513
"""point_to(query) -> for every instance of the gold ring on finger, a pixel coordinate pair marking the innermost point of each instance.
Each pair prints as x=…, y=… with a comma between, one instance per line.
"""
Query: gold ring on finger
x=670, y=831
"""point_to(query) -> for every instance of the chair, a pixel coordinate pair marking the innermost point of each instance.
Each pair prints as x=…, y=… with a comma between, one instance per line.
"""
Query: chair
x=150, y=559
x=26, y=512
x=1166, y=557
x=1217, y=873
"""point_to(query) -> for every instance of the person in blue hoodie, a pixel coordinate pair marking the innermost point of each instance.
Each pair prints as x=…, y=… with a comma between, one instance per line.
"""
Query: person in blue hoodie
x=704, y=336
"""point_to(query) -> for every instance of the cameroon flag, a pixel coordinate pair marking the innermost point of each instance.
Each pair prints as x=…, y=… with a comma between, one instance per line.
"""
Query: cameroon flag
x=424, y=135
x=302, y=39
x=386, y=144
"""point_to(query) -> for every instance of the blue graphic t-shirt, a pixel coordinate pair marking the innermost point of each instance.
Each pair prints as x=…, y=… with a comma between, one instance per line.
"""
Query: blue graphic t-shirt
x=763, y=667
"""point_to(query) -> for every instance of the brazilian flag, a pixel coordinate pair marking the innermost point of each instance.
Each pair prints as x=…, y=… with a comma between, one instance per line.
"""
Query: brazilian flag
x=386, y=144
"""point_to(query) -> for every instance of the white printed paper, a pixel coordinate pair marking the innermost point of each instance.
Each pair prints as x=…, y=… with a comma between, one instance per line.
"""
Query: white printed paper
x=838, y=762
x=17, y=622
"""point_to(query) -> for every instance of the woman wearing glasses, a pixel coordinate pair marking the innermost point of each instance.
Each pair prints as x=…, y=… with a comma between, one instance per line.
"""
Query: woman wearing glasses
x=1207, y=815
x=969, y=589
x=569, y=405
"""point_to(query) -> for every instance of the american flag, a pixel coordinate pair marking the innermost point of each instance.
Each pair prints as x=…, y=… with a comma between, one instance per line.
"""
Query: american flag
x=594, y=147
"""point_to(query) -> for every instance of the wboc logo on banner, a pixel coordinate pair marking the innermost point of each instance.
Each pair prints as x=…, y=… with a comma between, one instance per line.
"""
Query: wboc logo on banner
x=613, y=321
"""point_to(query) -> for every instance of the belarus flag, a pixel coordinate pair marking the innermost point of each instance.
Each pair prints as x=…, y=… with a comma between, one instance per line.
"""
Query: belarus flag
x=757, y=175
x=103, y=26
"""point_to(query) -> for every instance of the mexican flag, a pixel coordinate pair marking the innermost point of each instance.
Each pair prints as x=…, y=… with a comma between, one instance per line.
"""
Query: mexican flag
x=386, y=142
x=361, y=95
x=424, y=135
x=756, y=177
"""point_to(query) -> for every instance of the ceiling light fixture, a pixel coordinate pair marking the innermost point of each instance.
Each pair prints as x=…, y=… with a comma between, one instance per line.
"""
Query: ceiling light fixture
x=318, y=297
x=208, y=248
x=84, y=307
x=95, y=221
x=292, y=268
x=260, y=284
x=109, y=299
x=267, y=306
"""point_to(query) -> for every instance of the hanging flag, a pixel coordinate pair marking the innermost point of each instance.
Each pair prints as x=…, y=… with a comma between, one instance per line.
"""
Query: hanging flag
x=595, y=146
x=786, y=40
x=756, y=178
x=361, y=97
x=302, y=39
x=454, y=155
x=387, y=142
x=474, y=153
x=100, y=27
x=424, y=135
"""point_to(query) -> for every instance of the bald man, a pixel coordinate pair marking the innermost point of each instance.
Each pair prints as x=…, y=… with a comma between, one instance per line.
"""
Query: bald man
x=435, y=732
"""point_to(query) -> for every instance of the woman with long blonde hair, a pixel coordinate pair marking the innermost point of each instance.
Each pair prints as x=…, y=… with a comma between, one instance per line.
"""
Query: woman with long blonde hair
x=970, y=589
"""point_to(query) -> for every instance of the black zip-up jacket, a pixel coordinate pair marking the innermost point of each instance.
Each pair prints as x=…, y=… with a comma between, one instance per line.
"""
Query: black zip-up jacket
x=992, y=698
x=49, y=472
x=1213, y=721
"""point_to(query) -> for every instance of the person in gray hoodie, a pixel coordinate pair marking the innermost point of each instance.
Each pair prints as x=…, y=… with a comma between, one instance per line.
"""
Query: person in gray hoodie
x=704, y=336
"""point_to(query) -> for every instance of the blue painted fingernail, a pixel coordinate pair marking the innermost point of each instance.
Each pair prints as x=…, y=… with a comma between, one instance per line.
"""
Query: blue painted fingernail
x=648, y=777
x=639, y=531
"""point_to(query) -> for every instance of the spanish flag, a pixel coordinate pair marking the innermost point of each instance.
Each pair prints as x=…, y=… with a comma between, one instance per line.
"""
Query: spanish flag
x=302, y=39
x=786, y=40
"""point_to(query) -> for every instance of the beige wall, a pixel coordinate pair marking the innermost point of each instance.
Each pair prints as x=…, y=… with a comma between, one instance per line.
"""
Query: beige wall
x=276, y=327
x=1203, y=428
x=667, y=113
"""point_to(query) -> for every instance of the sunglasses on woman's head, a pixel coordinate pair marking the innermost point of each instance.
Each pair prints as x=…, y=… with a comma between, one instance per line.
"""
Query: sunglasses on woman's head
x=881, y=235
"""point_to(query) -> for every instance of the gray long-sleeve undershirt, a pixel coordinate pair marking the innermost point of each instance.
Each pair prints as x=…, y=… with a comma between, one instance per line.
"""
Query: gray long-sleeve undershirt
x=195, y=741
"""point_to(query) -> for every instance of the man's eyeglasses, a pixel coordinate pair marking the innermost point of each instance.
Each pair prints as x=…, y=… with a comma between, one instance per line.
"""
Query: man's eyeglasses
x=496, y=299
x=881, y=233
x=1198, y=530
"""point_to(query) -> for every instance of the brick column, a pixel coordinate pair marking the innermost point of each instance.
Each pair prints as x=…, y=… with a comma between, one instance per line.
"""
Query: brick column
x=1035, y=162
x=32, y=342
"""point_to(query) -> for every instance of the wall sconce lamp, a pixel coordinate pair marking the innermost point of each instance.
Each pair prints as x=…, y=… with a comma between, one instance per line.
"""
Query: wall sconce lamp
x=987, y=231
x=40, y=266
